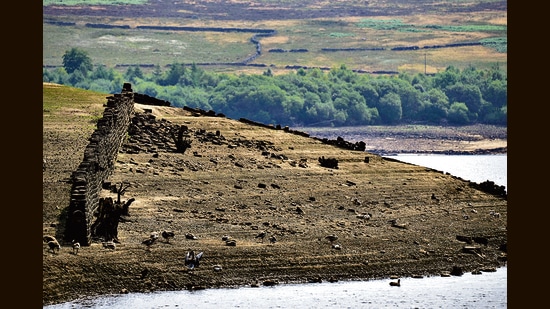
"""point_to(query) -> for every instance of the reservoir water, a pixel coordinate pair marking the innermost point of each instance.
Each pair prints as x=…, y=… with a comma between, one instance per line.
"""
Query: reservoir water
x=476, y=168
x=488, y=290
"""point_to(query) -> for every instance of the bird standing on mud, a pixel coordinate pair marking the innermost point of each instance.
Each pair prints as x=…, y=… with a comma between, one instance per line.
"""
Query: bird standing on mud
x=167, y=235
x=261, y=235
x=54, y=246
x=76, y=247
x=192, y=260
x=48, y=238
x=332, y=238
x=149, y=242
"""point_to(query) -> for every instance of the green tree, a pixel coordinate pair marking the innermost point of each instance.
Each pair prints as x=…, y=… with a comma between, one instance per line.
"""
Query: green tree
x=101, y=85
x=498, y=117
x=77, y=59
x=410, y=99
x=101, y=72
x=458, y=114
x=48, y=76
x=292, y=105
x=191, y=77
x=157, y=74
x=434, y=106
x=465, y=93
x=446, y=78
x=172, y=76
x=390, y=108
x=76, y=77
x=148, y=88
x=369, y=93
x=133, y=73
x=497, y=93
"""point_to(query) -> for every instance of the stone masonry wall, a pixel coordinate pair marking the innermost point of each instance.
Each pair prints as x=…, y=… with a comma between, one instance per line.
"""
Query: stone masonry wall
x=97, y=165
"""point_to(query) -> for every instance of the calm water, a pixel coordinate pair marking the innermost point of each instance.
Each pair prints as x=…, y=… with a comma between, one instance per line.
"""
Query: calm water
x=476, y=168
x=488, y=290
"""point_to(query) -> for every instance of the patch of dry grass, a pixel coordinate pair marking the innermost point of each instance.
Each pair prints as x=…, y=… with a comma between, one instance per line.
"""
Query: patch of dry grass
x=311, y=34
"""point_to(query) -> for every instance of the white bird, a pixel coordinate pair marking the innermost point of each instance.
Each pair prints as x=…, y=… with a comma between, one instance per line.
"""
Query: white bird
x=76, y=247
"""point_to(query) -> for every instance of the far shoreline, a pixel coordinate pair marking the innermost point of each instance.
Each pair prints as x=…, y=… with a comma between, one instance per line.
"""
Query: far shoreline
x=476, y=139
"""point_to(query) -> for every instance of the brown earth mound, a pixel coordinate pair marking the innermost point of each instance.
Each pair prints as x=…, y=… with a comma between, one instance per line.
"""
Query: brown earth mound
x=239, y=180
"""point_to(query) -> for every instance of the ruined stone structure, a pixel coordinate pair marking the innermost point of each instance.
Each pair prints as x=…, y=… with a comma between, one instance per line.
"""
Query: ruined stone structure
x=97, y=165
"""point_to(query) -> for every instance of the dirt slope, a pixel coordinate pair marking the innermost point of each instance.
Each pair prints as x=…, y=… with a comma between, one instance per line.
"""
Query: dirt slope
x=247, y=179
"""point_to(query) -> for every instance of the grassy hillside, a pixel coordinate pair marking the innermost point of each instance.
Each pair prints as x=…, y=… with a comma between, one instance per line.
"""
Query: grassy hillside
x=311, y=25
x=69, y=118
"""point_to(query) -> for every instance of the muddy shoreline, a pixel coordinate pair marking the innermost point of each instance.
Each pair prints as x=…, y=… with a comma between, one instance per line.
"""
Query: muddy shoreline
x=421, y=139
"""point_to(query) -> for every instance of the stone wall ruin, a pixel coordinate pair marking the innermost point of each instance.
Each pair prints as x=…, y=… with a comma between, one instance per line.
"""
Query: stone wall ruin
x=97, y=165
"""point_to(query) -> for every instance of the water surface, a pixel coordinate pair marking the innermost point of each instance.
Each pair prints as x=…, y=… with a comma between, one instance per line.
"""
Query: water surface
x=488, y=290
x=476, y=168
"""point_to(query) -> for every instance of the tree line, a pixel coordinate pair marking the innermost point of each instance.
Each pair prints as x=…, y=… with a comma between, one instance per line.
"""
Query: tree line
x=307, y=97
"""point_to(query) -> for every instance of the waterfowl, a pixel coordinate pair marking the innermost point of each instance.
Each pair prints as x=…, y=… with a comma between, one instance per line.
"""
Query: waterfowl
x=332, y=238
x=149, y=242
x=396, y=283
x=48, y=238
x=261, y=235
x=192, y=260
x=76, y=247
x=167, y=235
x=54, y=246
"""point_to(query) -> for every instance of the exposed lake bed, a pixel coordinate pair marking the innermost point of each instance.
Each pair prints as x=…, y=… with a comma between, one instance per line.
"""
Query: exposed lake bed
x=417, y=215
